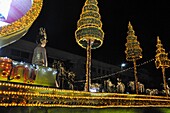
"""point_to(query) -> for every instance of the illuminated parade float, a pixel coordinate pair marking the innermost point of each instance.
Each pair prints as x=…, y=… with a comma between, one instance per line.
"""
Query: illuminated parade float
x=35, y=87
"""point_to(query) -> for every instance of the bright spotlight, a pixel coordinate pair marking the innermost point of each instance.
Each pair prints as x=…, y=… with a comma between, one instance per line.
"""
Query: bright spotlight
x=123, y=65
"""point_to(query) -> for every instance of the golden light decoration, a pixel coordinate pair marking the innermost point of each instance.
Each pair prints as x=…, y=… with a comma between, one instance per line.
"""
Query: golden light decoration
x=89, y=34
x=133, y=51
x=121, y=71
x=162, y=61
x=89, y=26
x=25, y=95
x=21, y=72
x=5, y=66
x=17, y=29
x=161, y=57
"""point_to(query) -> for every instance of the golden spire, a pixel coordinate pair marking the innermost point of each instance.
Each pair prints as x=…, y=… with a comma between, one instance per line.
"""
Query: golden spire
x=91, y=2
x=159, y=44
x=158, y=40
x=130, y=29
x=161, y=57
x=89, y=34
x=133, y=51
x=89, y=26
x=162, y=61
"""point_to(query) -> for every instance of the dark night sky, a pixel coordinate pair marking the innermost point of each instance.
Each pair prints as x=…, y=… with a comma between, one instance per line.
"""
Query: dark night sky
x=148, y=18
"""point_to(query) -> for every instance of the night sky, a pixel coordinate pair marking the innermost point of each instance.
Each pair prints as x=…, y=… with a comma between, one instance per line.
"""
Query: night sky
x=148, y=18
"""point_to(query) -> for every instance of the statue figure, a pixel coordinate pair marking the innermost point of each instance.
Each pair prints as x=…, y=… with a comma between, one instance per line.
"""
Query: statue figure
x=71, y=77
x=131, y=86
x=55, y=66
x=120, y=86
x=168, y=90
x=60, y=78
x=141, y=87
x=95, y=87
x=110, y=86
x=152, y=91
x=39, y=55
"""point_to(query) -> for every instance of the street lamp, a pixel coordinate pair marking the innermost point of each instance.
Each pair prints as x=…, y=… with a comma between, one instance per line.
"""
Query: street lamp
x=121, y=69
x=123, y=65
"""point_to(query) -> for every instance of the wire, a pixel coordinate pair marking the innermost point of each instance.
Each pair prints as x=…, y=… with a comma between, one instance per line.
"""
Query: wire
x=118, y=72
x=124, y=70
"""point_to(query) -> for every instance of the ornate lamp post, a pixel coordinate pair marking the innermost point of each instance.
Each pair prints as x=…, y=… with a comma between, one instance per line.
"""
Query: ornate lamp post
x=162, y=61
x=133, y=51
x=89, y=34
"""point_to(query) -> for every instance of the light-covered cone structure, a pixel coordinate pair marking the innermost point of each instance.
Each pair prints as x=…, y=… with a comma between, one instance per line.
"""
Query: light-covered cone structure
x=89, y=34
x=133, y=51
x=162, y=61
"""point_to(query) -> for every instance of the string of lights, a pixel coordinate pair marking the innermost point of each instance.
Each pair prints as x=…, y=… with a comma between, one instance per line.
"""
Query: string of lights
x=27, y=95
x=119, y=72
